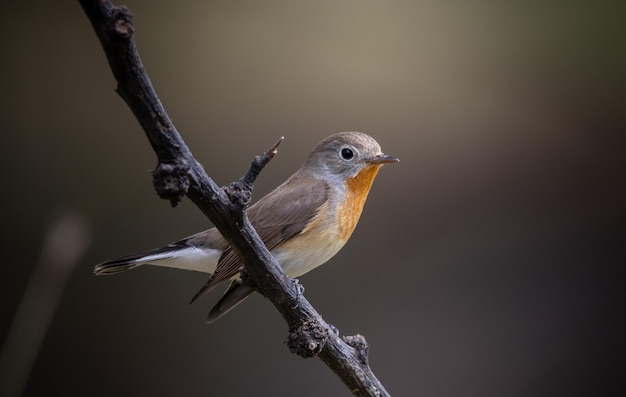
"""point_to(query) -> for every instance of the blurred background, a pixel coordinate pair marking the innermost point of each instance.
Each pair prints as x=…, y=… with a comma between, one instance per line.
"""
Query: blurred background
x=489, y=262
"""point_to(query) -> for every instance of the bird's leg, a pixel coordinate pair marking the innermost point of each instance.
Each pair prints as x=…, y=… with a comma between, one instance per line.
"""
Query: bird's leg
x=299, y=289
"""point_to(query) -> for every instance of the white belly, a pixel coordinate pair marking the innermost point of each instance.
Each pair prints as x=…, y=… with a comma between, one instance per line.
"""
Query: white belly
x=300, y=255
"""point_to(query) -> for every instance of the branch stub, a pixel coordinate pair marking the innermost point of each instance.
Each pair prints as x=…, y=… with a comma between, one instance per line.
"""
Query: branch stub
x=308, y=339
x=171, y=181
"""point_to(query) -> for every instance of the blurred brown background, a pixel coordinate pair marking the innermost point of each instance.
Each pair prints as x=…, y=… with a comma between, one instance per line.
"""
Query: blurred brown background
x=487, y=263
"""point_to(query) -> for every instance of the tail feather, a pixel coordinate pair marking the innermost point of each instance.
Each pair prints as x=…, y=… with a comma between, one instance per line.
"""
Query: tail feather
x=128, y=262
x=234, y=295
x=180, y=255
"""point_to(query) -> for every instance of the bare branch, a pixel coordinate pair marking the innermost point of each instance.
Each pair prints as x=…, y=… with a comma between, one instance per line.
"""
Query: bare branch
x=240, y=192
x=178, y=174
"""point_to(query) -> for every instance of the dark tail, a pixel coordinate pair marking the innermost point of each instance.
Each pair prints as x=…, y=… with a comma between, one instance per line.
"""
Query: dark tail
x=128, y=262
x=234, y=295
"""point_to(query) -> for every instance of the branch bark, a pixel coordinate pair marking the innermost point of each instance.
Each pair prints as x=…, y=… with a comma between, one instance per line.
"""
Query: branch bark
x=178, y=174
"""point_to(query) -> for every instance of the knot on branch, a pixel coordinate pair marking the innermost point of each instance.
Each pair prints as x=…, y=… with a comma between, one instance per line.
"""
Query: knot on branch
x=122, y=23
x=358, y=343
x=171, y=181
x=308, y=339
x=240, y=196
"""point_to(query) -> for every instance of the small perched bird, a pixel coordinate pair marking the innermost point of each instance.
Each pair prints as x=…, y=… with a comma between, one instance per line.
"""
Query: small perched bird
x=303, y=222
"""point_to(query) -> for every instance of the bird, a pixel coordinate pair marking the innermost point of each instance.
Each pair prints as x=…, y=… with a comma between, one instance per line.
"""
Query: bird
x=303, y=222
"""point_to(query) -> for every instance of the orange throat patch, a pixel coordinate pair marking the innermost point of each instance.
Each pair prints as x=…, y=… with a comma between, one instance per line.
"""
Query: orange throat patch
x=357, y=189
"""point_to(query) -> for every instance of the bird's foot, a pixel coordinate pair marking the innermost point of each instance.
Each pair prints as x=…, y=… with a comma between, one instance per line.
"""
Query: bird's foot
x=299, y=290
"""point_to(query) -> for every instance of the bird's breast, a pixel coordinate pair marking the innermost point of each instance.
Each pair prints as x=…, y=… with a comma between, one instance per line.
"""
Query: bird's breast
x=356, y=191
x=330, y=229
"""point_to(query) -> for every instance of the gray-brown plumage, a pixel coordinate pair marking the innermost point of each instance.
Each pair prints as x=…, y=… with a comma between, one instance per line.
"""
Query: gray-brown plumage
x=303, y=222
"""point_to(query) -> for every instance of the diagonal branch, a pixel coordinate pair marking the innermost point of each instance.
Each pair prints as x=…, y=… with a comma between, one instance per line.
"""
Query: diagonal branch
x=178, y=174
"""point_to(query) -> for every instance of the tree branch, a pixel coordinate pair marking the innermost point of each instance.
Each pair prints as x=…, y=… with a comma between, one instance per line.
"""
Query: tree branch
x=178, y=174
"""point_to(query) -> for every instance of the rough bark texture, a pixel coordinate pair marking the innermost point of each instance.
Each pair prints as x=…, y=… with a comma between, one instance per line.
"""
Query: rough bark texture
x=178, y=174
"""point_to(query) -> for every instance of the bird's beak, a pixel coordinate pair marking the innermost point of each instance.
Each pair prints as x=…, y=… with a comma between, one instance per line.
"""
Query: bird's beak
x=383, y=159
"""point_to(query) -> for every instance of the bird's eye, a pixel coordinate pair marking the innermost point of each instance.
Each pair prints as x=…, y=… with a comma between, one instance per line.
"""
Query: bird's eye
x=347, y=154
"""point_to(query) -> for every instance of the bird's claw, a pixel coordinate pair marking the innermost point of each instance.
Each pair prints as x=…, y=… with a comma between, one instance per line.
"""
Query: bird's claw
x=299, y=291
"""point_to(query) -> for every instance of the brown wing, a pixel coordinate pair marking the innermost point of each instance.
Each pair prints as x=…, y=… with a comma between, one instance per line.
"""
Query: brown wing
x=277, y=217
